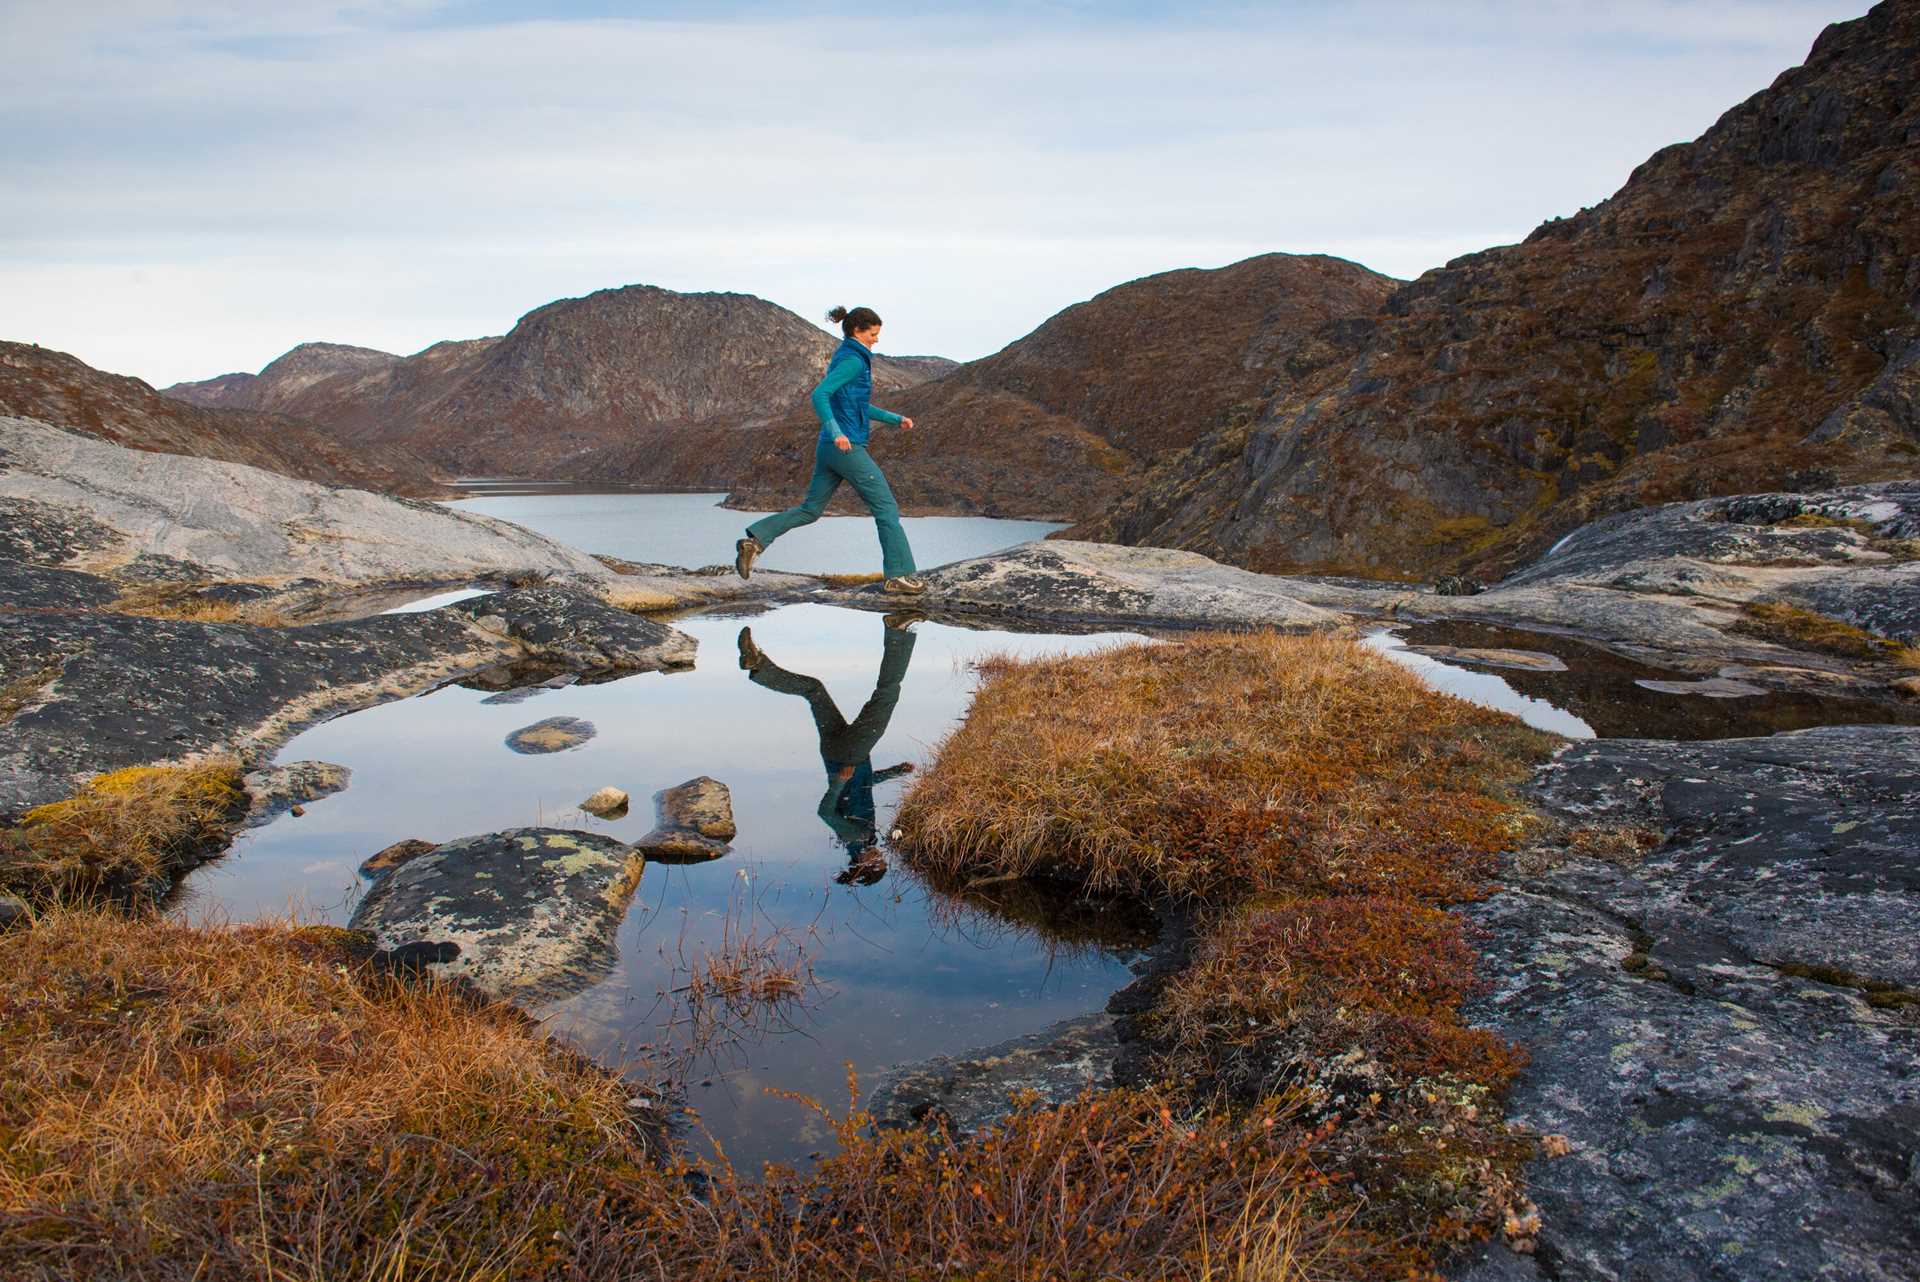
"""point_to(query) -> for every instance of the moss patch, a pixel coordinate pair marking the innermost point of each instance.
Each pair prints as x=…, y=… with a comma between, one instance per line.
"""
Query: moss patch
x=1790, y=625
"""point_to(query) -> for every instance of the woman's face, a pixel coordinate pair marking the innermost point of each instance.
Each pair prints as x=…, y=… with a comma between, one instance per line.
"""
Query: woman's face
x=870, y=336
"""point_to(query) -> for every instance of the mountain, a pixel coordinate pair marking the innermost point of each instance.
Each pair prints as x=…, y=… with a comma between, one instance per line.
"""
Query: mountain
x=38, y=383
x=1065, y=421
x=636, y=384
x=1742, y=315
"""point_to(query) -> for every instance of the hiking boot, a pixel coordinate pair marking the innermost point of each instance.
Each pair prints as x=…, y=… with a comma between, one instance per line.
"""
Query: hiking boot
x=903, y=620
x=743, y=553
x=904, y=585
x=751, y=655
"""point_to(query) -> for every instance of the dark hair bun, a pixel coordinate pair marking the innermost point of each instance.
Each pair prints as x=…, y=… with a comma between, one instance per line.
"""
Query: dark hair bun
x=837, y=315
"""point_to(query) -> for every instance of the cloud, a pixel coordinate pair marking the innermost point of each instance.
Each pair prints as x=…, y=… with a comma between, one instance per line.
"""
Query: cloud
x=195, y=187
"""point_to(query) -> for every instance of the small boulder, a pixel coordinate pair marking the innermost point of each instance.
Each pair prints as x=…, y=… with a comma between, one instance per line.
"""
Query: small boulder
x=1908, y=686
x=694, y=824
x=1457, y=585
x=555, y=734
x=279, y=790
x=533, y=912
x=382, y=862
x=12, y=912
x=608, y=803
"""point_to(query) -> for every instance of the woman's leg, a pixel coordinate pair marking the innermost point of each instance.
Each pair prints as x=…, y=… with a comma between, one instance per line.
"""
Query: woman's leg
x=819, y=490
x=859, y=470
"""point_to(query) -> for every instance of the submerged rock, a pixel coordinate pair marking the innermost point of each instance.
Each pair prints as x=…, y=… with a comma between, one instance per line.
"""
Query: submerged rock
x=533, y=911
x=555, y=734
x=1526, y=660
x=1726, y=1029
x=694, y=823
x=970, y=1092
x=278, y=790
x=384, y=861
x=607, y=803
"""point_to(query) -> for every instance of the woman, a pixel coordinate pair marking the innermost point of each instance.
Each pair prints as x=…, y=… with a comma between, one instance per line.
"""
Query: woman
x=841, y=402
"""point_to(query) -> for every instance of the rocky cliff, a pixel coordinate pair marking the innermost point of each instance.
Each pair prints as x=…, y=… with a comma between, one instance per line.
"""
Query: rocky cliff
x=1742, y=315
x=1064, y=421
x=38, y=383
x=636, y=384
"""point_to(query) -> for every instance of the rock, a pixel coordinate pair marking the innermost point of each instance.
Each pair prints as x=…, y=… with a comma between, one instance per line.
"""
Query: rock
x=279, y=790
x=533, y=911
x=1725, y=1031
x=1098, y=582
x=1525, y=660
x=695, y=823
x=521, y=694
x=1712, y=688
x=12, y=912
x=607, y=803
x=555, y=734
x=228, y=521
x=1457, y=585
x=970, y=1092
x=1909, y=687
x=112, y=690
x=385, y=860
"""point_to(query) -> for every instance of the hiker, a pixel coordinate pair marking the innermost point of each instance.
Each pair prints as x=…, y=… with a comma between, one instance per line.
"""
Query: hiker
x=842, y=402
x=846, y=747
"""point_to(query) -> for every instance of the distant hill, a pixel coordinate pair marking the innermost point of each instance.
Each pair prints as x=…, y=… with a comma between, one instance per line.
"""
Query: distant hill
x=1064, y=421
x=39, y=383
x=1743, y=315
x=637, y=384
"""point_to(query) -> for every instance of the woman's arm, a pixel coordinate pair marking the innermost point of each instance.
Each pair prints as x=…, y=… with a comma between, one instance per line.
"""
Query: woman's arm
x=839, y=374
x=879, y=415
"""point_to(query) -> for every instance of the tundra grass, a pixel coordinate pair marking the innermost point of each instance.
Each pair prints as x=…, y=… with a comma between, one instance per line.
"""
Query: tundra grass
x=118, y=832
x=1318, y=808
x=1789, y=624
x=183, y=601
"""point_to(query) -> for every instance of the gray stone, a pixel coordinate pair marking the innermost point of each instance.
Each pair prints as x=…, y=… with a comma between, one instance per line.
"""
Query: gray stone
x=533, y=911
x=1525, y=660
x=387, y=858
x=695, y=823
x=555, y=734
x=12, y=911
x=607, y=803
x=1711, y=688
x=1718, y=1029
x=275, y=790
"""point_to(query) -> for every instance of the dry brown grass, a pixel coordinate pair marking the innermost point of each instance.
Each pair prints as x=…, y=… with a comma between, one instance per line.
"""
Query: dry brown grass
x=1222, y=765
x=1789, y=624
x=122, y=831
x=850, y=580
x=256, y=1103
x=183, y=601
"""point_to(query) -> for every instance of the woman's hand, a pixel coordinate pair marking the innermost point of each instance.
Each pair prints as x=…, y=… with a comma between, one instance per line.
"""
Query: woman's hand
x=842, y=444
x=906, y=425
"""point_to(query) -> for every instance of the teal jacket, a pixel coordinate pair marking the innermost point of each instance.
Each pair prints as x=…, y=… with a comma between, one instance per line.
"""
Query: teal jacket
x=840, y=398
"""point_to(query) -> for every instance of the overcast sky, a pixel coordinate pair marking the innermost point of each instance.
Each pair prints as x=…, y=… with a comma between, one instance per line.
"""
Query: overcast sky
x=193, y=187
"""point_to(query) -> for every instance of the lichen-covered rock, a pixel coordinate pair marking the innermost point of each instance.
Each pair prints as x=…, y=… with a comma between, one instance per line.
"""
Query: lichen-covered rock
x=533, y=911
x=967, y=1093
x=607, y=803
x=276, y=790
x=1725, y=1029
x=555, y=734
x=1079, y=582
x=387, y=858
x=694, y=823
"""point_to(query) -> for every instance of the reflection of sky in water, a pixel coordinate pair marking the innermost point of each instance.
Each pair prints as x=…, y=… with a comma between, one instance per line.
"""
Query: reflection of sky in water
x=691, y=530
x=900, y=986
x=1483, y=688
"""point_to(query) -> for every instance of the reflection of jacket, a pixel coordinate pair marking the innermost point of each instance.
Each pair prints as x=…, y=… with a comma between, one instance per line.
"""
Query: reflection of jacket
x=848, y=806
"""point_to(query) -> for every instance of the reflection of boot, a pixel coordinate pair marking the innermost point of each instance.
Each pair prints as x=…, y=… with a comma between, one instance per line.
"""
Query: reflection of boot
x=751, y=655
x=901, y=620
x=863, y=871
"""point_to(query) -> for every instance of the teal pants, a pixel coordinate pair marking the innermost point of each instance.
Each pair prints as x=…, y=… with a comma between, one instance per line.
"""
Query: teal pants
x=856, y=467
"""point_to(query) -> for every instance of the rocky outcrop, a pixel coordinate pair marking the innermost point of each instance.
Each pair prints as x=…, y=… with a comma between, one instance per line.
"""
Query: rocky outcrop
x=56, y=388
x=1061, y=423
x=1098, y=582
x=1740, y=316
x=100, y=690
x=1726, y=1028
x=532, y=911
x=694, y=823
x=274, y=790
x=637, y=384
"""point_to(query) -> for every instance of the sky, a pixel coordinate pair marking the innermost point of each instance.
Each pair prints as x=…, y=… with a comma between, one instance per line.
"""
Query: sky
x=191, y=187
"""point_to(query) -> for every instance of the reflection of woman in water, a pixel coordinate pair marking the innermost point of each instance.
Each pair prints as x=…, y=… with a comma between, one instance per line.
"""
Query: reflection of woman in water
x=846, y=747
